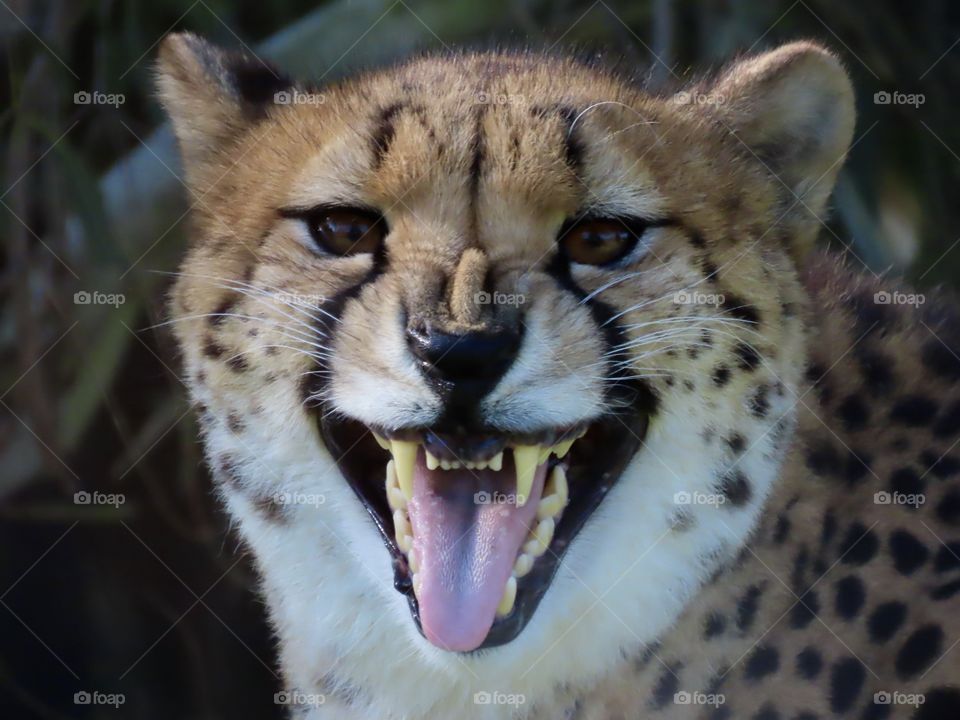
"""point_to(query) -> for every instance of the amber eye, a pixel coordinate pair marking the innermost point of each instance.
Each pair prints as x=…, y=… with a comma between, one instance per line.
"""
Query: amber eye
x=599, y=241
x=346, y=231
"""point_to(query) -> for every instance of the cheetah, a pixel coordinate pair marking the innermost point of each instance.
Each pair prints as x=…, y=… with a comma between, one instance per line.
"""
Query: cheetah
x=532, y=396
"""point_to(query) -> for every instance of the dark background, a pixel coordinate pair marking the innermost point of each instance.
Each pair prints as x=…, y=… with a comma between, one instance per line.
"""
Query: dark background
x=153, y=598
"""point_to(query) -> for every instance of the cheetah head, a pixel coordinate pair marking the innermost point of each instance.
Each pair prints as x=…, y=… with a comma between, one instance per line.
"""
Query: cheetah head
x=499, y=350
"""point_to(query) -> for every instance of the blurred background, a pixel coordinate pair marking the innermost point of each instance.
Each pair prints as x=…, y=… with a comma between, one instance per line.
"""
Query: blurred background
x=118, y=574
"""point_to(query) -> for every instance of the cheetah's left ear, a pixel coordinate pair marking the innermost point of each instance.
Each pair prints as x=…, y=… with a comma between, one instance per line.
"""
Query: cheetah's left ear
x=793, y=108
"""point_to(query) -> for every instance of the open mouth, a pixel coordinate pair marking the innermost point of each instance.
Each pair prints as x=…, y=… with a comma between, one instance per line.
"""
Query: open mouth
x=477, y=523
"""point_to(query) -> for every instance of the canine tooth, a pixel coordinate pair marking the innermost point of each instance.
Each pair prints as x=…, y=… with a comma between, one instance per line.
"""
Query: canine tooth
x=562, y=448
x=525, y=457
x=542, y=536
x=413, y=561
x=395, y=498
x=523, y=564
x=496, y=462
x=382, y=442
x=509, y=595
x=433, y=462
x=558, y=485
x=549, y=507
x=404, y=455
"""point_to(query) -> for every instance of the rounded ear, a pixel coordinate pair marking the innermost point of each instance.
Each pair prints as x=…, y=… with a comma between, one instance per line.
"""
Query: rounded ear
x=211, y=94
x=793, y=108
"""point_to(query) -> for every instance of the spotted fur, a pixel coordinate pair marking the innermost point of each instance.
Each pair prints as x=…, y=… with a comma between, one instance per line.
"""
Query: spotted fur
x=789, y=396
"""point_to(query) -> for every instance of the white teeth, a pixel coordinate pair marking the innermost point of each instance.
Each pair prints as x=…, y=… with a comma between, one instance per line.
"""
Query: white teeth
x=549, y=507
x=416, y=584
x=509, y=595
x=544, y=455
x=561, y=449
x=557, y=485
x=395, y=498
x=542, y=536
x=525, y=458
x=413, y=561
x=433, y=462
x=496, y=462
x=385, y=444
x=523, y=564
x=404, y=455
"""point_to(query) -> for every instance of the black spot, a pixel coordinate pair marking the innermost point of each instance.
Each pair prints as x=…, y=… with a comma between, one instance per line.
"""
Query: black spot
x=740, y=309
x=828, y=529
x=721, y=375
x=846, y=681
x=747, y=357
x=667, y=686
x=237, y=363
x=759, y=403
x=914, y=411
x=809, y=663
x=856, y=466
x=885, y=620
x=714, y=625
x=853, y=412
x=805, y=610
x=939, y=704
x=942, y=467
x=767, y=712
x=908, y=552
x=939, y=358
x=747, y=607
x=212, y=349
x=235, y=423
x=850, y=596
x=737, y=443
x=800, y=563
x=875, y=711
x=781, y=530
x=948, y=509
x=384, y=131
x=906, y=482
x=763, y=661
x=735, y=487
x=806, y=715
x=689, y=386
x=921, y=649
x=859, y=546
x=222, y=311
x=948, y=557
x=823, y=458
x=876, y=371
x=948, y=424
x=696, y=239
x=945, y=591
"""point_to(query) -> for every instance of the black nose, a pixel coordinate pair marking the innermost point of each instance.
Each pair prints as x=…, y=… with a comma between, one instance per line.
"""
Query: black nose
x=473, y=362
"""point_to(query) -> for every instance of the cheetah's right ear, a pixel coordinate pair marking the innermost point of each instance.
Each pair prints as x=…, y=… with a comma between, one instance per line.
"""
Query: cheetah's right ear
x=211, y=94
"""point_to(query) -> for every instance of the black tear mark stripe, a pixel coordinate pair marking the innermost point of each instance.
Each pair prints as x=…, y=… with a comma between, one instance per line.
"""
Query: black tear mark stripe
x=384, y=130
x=478, y=152
x=573, y=146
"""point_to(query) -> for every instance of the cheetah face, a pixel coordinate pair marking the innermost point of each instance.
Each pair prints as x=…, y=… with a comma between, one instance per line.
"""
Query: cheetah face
x=529, y=324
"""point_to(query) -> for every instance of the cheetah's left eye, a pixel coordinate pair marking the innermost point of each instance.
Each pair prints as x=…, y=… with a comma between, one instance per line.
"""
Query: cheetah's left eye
x=598, y=241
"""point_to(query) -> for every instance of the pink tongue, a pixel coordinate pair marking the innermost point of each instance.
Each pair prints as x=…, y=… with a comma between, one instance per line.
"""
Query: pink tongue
x=467, y=533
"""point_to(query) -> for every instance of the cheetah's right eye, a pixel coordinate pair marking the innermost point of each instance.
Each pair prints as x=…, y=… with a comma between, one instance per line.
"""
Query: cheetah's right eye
x=343, y=231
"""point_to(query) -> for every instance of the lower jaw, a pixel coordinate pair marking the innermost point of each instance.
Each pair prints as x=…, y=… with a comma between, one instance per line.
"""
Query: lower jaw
x=593, y=466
